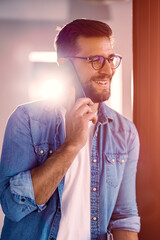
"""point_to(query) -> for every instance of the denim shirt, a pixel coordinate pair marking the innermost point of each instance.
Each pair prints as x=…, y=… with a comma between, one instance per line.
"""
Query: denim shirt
x=34, y=131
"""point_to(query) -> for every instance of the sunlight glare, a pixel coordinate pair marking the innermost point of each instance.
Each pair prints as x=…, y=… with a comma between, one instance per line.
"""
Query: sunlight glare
x=52, y=88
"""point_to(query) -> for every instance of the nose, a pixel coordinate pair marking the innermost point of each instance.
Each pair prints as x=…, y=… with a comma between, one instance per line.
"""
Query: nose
x=107, y=69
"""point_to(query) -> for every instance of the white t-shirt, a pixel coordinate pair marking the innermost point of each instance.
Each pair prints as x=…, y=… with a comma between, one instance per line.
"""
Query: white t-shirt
x=75, y=220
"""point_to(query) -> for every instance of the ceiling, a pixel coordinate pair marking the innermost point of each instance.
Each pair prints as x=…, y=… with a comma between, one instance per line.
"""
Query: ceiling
x=53, y=10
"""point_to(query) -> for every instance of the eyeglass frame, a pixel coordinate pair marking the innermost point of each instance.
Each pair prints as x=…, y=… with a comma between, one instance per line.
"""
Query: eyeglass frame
x=104, y=61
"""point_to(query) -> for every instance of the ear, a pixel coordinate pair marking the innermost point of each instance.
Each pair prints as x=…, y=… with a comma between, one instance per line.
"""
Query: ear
x=61, y=60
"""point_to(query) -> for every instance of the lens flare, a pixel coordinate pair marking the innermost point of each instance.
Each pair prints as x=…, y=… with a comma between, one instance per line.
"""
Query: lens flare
x=51, y=88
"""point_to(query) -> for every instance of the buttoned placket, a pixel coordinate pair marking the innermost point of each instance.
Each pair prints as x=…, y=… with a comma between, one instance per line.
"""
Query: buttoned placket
x=95, y=178
x=94, y=187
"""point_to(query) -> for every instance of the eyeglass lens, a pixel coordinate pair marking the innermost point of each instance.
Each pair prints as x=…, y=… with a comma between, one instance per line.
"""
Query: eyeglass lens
x=99, y=61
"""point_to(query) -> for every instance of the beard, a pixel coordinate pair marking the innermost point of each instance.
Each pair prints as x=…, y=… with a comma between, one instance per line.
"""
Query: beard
x=92, y=93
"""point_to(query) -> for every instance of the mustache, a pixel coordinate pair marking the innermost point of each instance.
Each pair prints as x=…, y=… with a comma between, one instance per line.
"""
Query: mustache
x=102, y=77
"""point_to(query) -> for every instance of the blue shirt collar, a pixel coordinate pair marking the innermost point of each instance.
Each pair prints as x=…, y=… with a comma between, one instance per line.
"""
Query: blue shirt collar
x=105, y=114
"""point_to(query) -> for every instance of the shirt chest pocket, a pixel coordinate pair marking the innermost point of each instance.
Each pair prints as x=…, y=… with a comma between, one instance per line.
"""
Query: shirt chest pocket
x=43, y=151
x=114, y=165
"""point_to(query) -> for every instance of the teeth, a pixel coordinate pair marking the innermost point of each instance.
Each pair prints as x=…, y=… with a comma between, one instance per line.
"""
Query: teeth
x=101, y=82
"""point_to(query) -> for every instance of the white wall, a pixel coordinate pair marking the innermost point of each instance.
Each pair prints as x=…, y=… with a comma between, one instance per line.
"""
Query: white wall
x=20, y=37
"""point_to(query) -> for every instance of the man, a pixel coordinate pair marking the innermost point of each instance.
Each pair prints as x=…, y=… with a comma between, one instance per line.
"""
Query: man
x=74, y=180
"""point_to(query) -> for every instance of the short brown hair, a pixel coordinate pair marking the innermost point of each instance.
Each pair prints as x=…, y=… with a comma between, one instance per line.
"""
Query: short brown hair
x=66, y=39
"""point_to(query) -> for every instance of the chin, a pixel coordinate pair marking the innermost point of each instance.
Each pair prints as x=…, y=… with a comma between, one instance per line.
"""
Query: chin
x=97, y=97
x=100, y=98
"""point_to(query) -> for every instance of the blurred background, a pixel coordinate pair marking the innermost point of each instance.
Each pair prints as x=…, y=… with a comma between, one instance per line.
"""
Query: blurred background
x=28, y=70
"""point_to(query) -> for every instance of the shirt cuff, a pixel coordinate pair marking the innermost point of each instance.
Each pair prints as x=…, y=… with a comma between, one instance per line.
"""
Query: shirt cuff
x=21, y=185
x=128, y=224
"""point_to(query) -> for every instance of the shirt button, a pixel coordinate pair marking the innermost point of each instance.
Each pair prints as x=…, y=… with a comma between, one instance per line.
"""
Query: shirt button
x=113, y=160
x=59, y=210
x=94, y=218
x=41, y=152
x=94, y=160
x=94, y=189
x=122, y=161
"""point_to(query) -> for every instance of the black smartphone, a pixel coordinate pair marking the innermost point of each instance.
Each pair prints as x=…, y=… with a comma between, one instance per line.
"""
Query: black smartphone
x=70, y=77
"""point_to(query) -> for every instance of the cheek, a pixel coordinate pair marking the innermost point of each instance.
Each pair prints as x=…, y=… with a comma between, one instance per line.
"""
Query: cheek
x=113, y=72
x=85, y=75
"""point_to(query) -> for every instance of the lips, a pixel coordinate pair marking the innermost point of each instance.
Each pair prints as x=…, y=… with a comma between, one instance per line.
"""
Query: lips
x=102, y=82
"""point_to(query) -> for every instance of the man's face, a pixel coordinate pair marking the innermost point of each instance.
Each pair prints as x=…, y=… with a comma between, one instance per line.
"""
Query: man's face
x=96, y=83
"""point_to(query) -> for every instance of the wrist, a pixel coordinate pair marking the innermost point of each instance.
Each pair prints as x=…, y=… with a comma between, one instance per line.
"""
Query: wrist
x=72, y=148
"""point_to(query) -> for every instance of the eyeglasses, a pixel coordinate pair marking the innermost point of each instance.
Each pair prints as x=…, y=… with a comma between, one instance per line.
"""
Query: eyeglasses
x=98, y=62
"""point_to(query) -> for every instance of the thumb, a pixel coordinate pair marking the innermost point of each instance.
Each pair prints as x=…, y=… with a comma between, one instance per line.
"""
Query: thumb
x=94, y=120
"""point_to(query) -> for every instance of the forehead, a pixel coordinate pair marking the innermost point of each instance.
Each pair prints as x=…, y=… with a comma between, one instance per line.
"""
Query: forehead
x=90, y=46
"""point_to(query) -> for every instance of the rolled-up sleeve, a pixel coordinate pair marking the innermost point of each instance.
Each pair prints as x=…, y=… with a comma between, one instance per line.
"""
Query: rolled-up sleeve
x=18, y=158
x=22, y=189
x=125, y=215
x=129, y=224
x=21, y=184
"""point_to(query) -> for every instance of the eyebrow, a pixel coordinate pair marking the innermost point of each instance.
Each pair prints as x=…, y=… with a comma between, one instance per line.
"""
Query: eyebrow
x=111, y=55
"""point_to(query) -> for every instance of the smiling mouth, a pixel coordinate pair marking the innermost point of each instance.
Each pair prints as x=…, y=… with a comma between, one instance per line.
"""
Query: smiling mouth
x=102, y=82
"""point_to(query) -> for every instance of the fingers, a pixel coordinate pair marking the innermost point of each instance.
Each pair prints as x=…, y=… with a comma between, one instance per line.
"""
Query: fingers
x=81, y=109
x=91, y=117
x=77, y=117
x=82, y=101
